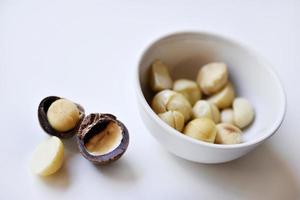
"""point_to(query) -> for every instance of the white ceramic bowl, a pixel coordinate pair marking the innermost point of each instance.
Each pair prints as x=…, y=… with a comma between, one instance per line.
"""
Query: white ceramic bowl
x=253, y=78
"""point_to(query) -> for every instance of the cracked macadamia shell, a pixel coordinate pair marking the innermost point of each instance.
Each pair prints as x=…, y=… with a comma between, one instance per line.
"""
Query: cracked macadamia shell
x=102, y=138
x=60, y=117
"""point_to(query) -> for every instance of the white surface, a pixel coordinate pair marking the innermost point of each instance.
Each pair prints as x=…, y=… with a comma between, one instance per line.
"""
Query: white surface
x=87, y=51
x=184, y=53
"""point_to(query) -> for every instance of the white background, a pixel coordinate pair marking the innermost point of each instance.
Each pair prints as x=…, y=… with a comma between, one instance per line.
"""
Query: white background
x=87, y=51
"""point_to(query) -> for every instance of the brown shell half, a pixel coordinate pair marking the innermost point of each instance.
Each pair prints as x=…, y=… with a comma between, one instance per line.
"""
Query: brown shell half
x=93, y=124
x=43, y=120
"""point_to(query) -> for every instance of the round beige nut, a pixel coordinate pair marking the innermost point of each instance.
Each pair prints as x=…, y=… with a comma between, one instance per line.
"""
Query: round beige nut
x=160, y=78
x=203, y=108
x=48, y=157
x=243, y=112
x=160, y=101
x=179, y=103
x=227, y=116
x=168, y=100
x=228, y=134
x=212, y=77
x=189, y=89
x=63, y=115
x=201, y=129
x=224, y=98
x=174, y=118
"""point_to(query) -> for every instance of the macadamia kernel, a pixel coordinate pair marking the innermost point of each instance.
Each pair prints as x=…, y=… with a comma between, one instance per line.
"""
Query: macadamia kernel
x=227, y=116
x=203, y=108
x=160, y=78
x=224, y=98
x=201, y=129
x=189, y=89
x=228, y=134
x=168, y=100
x=174, y=118
x=243, y=112
x=63, y=115
x=212, y=77
x=48, y=157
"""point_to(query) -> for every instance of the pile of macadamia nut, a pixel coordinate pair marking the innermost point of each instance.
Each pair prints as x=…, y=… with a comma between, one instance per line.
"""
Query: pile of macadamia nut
x=206, y=109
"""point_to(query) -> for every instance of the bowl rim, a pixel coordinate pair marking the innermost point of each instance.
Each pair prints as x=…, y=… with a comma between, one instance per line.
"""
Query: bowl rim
x=166, y=128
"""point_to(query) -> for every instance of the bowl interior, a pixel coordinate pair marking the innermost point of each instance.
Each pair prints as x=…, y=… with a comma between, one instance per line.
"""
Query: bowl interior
x=185, y=53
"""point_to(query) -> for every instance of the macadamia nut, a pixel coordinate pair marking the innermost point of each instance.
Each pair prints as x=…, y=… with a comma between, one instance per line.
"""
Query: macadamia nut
x=179, y=103
x=227, y=116
x=174, y=118
x=243, y=112
x=160, y=78
x=228, y=134
x=160, y=101
x=63, y=115
x=212, y=77
x=224, y=98
x=189, y=89
x=201, y=129
x=203, y=108
x=48, y=157
x=168, y=100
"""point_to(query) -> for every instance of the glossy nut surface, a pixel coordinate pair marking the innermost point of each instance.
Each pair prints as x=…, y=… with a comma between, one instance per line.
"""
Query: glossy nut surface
x=203, y=108
x=227, y=116
x=189, y=89
x=47, y=157
x=224, y=98
x=160, y=78
x=174, y=119
x=212, y=77
x=243, y=112
x=201, y=129
x=168, y=100
x=228, y=134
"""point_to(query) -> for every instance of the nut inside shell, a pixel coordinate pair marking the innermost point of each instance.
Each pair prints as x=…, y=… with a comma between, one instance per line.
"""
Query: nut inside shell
x=44, y=122
x=102, y=138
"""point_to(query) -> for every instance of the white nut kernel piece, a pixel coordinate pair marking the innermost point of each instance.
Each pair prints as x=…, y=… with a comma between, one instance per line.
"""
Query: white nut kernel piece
x=227, y=116
x=201, y=129
x=174, y=118
x=168, y=100
x=189, y=89
x=63, y=115
x=228, y=134
x=224, y=98
x=48, y=157
x=212, y=77
x=160, y=78
x=203, y=108
x=243, y=112
x=160, y=101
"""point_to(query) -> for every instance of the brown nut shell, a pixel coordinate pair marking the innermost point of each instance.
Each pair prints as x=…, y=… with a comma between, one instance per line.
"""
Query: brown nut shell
x=44, y=123
x=95, y=125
